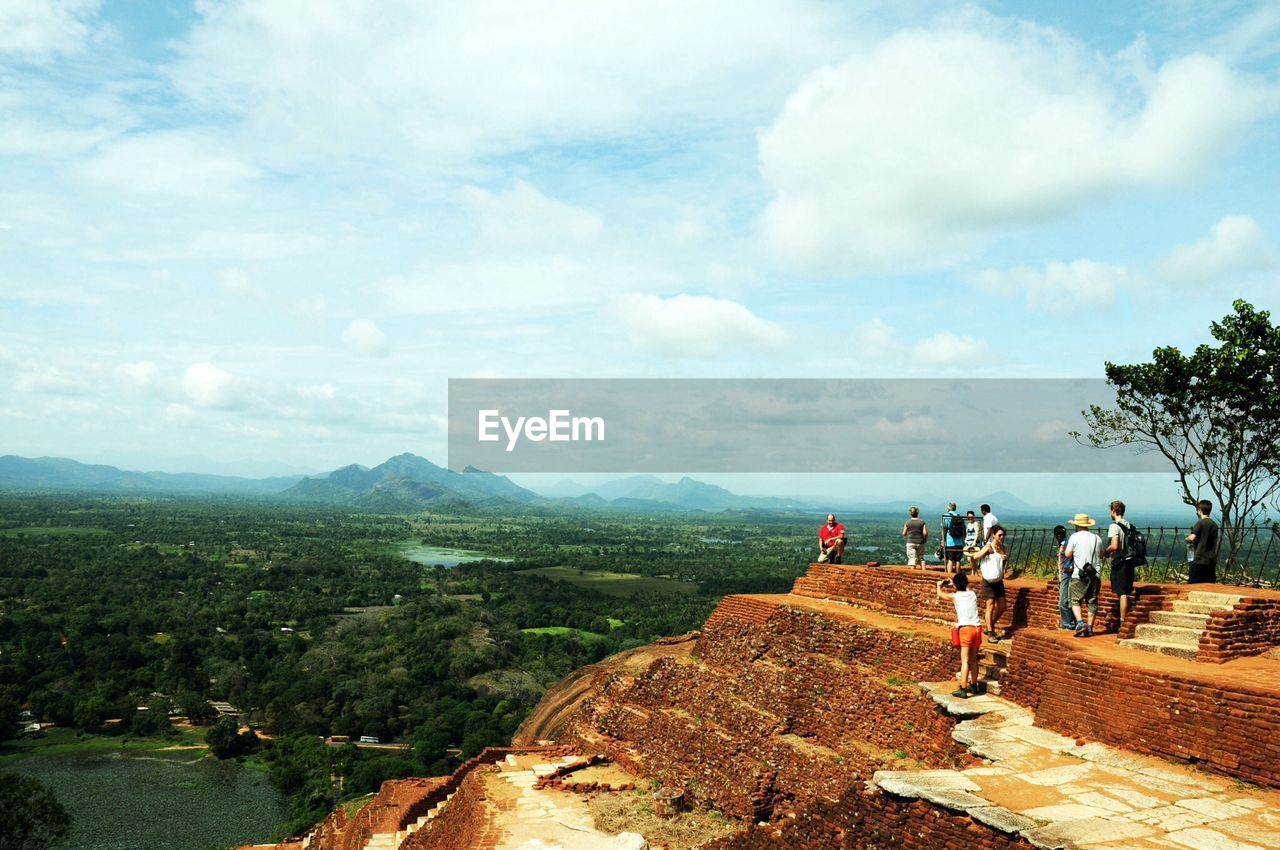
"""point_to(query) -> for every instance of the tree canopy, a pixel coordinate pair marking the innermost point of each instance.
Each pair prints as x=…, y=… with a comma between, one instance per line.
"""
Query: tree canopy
x=1214, y=414
x=33, y=818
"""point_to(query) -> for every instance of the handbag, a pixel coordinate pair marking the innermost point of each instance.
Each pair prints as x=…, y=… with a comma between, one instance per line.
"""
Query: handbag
x=955, y=635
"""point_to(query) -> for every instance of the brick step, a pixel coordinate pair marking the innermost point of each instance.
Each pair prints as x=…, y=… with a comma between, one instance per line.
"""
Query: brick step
x=1221, y=600
x=1184, y=607
x=1169, y=634
x=1174, y=649
x=1182, y=621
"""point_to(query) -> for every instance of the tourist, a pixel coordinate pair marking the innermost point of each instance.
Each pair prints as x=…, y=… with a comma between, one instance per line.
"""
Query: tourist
x=990, y=559
x=1204, y=540
x=1085, y=549
x=953, y=543
x=970, y=531
x=916, y=532
x=831, y=540
x=1066, y=618
x=989, y=521
x=970, y=626
x=1122, y=569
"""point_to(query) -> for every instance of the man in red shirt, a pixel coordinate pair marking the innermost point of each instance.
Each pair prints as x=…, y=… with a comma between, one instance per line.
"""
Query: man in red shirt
x=831, y=541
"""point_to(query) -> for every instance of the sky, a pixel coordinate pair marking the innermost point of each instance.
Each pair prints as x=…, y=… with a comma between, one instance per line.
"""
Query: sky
x=259, y=237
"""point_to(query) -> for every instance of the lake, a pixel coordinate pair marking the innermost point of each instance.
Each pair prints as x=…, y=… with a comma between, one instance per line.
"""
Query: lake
x=430, y=556
x=158, y=801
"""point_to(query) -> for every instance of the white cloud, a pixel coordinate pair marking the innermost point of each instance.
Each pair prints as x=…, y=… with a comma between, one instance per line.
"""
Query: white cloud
x=488, y=76
x=206, y=385
x=1235, y=245
x=535, y=285
x=223, y=245
x=318, y=391
x=909, y=428
x=1058, y=285
x=949, y=350
x=875, y=338
x=51, y=297
x=526, y=217
x=47, y=380
x=696, y=326
x=176, y=163
x=139, y=376
x=1050, y=432
x=906, y=155
x=236, y=282
x=37, y=29
x=364, y=337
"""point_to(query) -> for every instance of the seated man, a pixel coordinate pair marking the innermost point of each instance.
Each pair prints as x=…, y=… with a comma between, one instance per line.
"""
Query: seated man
x=831, y=541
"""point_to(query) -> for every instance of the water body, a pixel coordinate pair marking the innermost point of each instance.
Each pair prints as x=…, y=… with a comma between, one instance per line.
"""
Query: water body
x=158, y=801
x=430, y=556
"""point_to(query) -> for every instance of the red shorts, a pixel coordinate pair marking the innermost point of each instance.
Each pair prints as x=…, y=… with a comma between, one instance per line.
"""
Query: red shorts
x=970, y=636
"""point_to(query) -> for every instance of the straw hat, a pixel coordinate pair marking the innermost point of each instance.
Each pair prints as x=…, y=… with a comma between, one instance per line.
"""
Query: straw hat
x=1083, y=521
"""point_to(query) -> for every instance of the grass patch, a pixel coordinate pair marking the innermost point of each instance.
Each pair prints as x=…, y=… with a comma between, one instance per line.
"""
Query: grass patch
x=563, y=630
x=66, y=741
x=613, y=584
x=633, y=812
x=355, y=804
x=51, y=531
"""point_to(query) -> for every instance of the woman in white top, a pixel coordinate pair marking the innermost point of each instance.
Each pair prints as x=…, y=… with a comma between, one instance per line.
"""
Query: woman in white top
x=970, y=626
x=991, y=559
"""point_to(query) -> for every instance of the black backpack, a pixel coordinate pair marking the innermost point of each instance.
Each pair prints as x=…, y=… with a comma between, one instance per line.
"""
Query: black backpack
x=956, y=530
x=1134, y=550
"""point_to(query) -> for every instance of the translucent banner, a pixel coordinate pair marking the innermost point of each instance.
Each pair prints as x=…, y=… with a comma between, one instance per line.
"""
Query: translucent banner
x=780, y=425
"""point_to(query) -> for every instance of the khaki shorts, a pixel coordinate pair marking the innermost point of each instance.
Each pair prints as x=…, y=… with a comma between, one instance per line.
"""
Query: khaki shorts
x=1084, y=591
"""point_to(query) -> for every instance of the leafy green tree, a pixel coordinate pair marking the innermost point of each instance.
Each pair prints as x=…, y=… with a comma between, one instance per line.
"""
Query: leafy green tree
x=33, y=818
x=226, y=741
x=1213, y=414
x=91, y=712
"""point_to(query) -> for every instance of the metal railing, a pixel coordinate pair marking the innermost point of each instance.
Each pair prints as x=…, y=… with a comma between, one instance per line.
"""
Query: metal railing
x=1257, y=565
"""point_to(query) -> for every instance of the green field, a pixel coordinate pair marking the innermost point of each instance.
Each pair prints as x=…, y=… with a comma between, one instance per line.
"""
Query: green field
x=50, y=531
x=613, y=584
x=68, y=741
x=563, y=630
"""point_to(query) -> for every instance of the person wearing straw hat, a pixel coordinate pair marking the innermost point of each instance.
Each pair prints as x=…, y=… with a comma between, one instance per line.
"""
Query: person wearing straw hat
x=1085, y=550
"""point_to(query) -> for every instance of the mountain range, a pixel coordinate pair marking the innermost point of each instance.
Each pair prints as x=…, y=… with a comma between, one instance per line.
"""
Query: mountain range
x=408, y=482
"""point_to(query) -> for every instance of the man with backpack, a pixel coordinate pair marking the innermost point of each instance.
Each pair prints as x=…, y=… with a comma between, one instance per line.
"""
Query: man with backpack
x=1128, y=552
x=953, y=545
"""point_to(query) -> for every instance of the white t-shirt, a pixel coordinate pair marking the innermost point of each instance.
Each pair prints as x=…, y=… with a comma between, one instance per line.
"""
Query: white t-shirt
x=967, y=609
x=988, y=520
x=1085, y=547
x=1116, y=530
x=992, y=567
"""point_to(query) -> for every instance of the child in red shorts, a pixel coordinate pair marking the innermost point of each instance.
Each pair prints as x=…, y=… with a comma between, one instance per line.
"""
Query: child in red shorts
x=970, y=626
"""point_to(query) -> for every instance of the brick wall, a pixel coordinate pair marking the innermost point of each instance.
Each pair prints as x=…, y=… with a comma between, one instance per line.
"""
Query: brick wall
x=1209, y=720
x=778, y=705
x=1032, y=603
x=729, y=642
x=1252, y=628
x=466, y=822
x=871, y=820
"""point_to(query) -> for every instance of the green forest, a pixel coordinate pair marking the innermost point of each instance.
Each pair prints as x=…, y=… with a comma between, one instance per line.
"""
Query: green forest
x=117, y=612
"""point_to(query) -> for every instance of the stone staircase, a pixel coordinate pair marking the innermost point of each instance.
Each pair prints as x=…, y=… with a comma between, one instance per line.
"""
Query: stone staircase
x=1178, y=632
x=991, y=663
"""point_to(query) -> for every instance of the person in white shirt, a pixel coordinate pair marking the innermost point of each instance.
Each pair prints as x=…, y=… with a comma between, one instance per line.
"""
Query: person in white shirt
x=989, y=522
x=1086, y=552
x=970, y=627
x=991, y=560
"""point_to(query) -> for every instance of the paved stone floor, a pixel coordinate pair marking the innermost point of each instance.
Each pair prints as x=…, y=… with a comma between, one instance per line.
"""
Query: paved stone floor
x=545, y=818
x=1060, y=796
